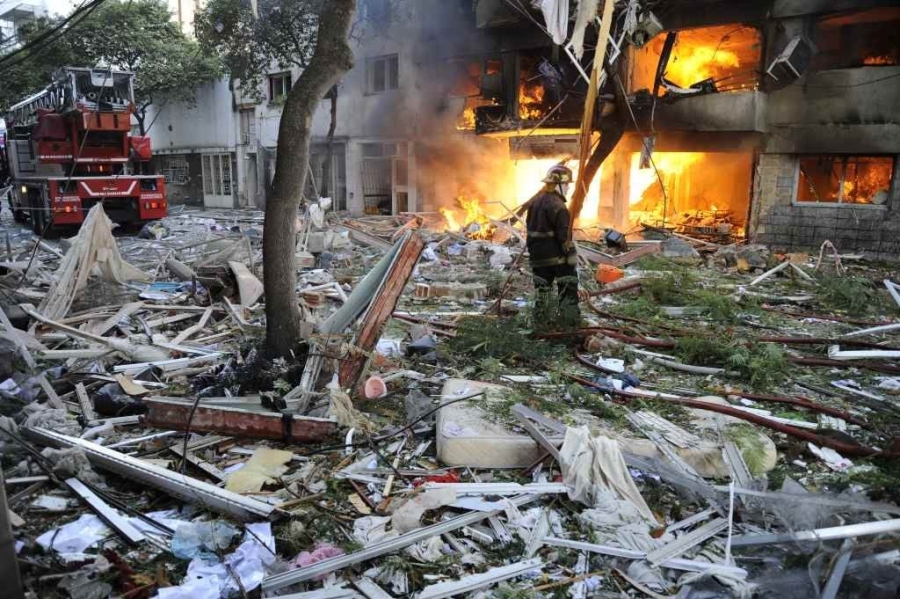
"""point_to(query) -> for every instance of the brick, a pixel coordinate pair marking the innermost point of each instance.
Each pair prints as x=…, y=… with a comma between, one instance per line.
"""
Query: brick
x=869, y=235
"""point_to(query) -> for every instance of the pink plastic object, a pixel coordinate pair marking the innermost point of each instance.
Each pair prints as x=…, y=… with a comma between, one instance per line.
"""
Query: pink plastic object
x=375, y=387
x=322, y=551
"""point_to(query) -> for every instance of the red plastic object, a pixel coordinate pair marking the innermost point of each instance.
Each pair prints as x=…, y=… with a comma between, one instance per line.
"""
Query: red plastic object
x=607, y=273
x=141, y=147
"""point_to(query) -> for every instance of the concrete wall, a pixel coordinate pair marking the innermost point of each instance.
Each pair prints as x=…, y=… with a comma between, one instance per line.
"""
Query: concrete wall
x=844, y=110
x=777, y=221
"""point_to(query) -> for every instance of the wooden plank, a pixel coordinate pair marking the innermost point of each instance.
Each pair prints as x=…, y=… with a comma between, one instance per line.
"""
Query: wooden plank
x=177, y=415
x=187, y=333
x=52, y=397
x=87, y=408
x=381, y=308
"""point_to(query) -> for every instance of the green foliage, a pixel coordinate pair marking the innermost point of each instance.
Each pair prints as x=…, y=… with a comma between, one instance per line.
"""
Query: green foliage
x=851, y=294
x=655, y=262
x=762, y=365
x=640, y=307
x=751, y=445
x=284, y=34
x=483, y=337
x=133, y=35
x=669, y=289
x=719, y=307
x=702, y=351
x=505, y=591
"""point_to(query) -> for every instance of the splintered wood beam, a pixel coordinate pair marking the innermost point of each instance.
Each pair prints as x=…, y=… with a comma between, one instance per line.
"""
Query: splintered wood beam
x=181, y=415
x=381, y=308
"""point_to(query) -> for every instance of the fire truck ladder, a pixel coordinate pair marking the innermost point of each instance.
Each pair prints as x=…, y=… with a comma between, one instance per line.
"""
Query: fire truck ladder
x=53, y=97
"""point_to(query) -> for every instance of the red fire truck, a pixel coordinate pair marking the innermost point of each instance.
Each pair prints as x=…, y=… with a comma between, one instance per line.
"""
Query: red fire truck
x=70, y=147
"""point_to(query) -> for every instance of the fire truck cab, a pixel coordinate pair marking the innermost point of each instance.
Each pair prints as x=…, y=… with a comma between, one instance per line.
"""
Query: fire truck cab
x=70, y=147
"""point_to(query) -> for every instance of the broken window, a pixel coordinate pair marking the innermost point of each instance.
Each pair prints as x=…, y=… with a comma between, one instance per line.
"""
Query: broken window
x=382, y=74
x=175, y=170
x=845, y=179
x=279, y=86
x=336, y=187
x=862, y=38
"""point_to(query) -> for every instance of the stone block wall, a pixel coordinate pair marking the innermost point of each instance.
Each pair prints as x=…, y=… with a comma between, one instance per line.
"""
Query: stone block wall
x=780, y=223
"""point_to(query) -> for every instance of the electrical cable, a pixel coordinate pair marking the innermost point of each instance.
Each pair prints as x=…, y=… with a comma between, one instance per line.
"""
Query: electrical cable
x=648, y=150
x=396, y=433
x=80, y=13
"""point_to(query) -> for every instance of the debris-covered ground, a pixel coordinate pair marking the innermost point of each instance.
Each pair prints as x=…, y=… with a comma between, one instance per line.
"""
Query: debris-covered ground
x=722, y=423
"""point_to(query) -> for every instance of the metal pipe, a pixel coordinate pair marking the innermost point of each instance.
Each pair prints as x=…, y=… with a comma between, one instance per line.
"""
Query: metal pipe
x=820, y=534
x=177, y=485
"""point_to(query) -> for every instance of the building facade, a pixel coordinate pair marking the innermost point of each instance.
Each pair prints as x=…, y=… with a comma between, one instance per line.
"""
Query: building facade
x=221, y=153
x=776, y=121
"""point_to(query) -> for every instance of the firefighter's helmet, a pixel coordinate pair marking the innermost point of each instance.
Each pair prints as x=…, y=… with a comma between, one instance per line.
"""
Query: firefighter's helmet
x=558, y=174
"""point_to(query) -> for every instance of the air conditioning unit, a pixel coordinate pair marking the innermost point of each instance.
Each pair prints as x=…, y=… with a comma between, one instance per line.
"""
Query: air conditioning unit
x=793, y=60
x=648, y=27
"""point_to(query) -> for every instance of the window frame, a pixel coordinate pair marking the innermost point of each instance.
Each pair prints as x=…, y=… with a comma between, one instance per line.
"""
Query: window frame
x=218, y=175
x=176, y=164
x=282, y=76
x=795, y=201
x=390, y=76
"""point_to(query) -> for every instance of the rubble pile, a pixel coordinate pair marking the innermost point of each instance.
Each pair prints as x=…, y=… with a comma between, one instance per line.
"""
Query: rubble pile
x=723, y=422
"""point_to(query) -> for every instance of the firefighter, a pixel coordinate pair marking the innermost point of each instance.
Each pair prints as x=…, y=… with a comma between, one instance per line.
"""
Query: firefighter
x=551, y=253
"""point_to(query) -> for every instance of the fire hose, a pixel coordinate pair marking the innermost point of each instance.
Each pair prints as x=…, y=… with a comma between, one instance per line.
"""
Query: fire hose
x=805, y=435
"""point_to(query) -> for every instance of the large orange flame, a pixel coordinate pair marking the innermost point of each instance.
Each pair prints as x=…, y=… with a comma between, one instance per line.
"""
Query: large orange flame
x=531, y=101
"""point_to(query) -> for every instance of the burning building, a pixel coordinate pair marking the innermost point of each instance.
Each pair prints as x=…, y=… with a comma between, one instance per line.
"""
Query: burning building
x=770, y=121
x=774, y=121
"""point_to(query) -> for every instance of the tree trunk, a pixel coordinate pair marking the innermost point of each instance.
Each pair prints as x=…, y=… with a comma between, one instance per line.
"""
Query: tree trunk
x=331, y=59
x=326, y=190
x=141, y=115
x=611, y=132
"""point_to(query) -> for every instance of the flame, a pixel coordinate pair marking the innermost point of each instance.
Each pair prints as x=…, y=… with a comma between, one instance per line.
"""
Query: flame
x=471, y=212
x=466, y=120
x=691, y=181
x=669, y=164
x=452, y=225
x=504, y=194
x=864, y=179
x=696, y=63
x=531, y=101
x=884, y=59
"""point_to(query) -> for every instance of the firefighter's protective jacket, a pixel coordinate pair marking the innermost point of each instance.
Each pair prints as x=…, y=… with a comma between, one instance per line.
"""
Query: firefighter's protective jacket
x=548, y=230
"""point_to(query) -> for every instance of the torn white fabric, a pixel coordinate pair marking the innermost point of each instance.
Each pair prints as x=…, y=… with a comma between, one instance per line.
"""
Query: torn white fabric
x=593, y=467
x=408, y=516
x=93, y=249
x=587, y=10
x=372, y=529
x=556, y=15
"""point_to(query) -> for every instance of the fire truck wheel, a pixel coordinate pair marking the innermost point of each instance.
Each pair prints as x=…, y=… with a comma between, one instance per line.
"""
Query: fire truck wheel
x=37, y=220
